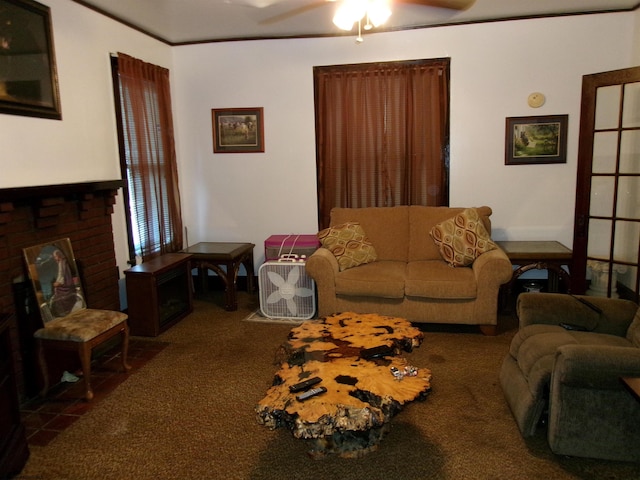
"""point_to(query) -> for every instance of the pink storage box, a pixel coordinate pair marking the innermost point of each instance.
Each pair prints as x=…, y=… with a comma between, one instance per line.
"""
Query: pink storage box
x=295, y=244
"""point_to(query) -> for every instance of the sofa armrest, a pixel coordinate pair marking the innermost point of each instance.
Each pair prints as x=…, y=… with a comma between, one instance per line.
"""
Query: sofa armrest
x=322, y=266
x=599, y=314
x=492, y=268
x=595, y=367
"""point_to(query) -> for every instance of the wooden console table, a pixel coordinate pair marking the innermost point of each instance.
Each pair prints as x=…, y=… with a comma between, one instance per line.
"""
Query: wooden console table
x=159, y=293
x=542, y=255
x=214, y=256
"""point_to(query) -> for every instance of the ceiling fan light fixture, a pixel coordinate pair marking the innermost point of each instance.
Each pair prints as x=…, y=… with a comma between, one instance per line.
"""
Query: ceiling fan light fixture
x=378, y=12
x=349, y=12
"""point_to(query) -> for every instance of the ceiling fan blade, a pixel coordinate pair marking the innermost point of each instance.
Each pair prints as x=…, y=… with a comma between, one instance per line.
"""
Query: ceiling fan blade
x=450, y=4
x=293, y=12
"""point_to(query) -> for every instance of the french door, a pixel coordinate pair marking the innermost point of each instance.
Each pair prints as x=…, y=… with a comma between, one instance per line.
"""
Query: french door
x=607, y=217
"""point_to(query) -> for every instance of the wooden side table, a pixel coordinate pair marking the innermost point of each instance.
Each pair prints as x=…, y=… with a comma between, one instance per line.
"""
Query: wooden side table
x=214, y=256
x=633, y=385
x=159, y=293
x=542, y=255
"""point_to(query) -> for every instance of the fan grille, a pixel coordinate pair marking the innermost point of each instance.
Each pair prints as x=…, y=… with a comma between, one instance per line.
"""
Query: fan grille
x=286, y=291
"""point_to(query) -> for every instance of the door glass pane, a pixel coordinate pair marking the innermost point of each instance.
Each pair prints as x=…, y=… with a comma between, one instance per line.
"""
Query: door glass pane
x=599, y=238
x=602, y=189
x=630, y=151
x=627, y=241
x=607, y=107
x=605, y=147
x=628, y=197
x=631, y=108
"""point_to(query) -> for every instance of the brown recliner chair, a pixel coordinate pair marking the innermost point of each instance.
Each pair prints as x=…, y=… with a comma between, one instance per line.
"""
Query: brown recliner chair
x=567, y=359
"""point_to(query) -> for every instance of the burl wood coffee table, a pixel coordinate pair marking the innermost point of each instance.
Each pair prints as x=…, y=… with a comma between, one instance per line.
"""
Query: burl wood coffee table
x=366, y=383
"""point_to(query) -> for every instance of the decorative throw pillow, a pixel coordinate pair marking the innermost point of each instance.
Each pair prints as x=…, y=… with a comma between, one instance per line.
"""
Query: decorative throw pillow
x=462, y=239
x=349, y=244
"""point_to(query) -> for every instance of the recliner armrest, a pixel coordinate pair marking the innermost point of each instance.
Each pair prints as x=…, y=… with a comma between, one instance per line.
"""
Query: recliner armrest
x=611, y=316
x=595, y=367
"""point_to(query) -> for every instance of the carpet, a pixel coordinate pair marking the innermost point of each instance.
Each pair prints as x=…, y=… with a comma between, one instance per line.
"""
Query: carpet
x=258, y=317
x=189, y=413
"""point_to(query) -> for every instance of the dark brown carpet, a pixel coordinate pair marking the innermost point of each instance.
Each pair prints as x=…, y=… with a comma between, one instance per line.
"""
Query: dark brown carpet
x=189, y=414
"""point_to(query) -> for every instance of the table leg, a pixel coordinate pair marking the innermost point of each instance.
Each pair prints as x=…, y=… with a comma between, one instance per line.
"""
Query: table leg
x=231, y=301
x=248, y=265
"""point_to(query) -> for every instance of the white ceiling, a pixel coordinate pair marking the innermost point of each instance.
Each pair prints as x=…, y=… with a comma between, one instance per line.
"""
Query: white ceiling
x=195, y=21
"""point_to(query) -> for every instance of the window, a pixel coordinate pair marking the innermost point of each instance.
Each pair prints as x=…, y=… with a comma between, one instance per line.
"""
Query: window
x=148, y=162
x=382, y=133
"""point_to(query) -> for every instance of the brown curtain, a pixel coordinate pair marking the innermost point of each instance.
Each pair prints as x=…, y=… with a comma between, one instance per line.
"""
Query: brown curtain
x=382, y=134
x=151, y=158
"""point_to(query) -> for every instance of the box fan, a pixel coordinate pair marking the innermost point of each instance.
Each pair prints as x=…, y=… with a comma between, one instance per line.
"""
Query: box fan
x=286, y=291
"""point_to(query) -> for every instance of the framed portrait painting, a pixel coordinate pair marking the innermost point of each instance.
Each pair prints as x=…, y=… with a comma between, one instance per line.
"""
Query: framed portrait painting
x=28, y=75
x=238, y=130
x=55, y=279
x=536, y=140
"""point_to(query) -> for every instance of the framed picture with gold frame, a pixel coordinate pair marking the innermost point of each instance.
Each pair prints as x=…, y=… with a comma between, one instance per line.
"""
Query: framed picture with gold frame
x=238, y=130
x=28, y=75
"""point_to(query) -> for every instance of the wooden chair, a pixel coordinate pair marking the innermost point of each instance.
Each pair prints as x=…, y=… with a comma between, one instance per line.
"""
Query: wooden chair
x=68, y=323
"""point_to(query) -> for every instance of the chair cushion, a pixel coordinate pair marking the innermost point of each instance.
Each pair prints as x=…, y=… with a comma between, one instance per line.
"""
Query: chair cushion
x=349, y=244
x=462, y=239
x=81, y=325
x=534, y=348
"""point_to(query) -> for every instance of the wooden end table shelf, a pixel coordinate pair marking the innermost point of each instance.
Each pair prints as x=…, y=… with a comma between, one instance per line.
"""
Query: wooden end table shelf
x=528, y=255
x=215, y=255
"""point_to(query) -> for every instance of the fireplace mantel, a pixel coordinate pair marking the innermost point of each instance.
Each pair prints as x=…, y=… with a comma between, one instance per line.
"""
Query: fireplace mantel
x=14, y=194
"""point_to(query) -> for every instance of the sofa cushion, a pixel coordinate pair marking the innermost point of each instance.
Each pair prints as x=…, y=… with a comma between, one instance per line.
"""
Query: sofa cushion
x=378, y=279
x=462, y=238
x=435, y=279
x=349, y=244
x=387, y=228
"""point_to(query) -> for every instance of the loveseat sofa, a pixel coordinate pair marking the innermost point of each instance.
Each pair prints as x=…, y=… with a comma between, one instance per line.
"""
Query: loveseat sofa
x=408, y=276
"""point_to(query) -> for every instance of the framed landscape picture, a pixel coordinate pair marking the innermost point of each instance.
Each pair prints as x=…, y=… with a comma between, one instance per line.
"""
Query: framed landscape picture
x=533, y=140
x=28, y=76
x=238, y=130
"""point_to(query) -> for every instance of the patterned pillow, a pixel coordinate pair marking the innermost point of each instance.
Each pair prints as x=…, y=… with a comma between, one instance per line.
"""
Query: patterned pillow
x=462, y=239
x=349, y=244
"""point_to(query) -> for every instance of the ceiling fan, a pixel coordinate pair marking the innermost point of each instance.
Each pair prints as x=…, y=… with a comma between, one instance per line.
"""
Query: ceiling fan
x=447, y=4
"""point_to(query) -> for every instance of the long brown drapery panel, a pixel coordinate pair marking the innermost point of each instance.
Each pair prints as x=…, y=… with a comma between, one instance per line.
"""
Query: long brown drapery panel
x=382, y=134
x=151, y=159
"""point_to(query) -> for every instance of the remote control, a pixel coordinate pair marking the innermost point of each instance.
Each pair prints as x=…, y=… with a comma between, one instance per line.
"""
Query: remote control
x=310, y=393
x=305, y=385
x=376, y=352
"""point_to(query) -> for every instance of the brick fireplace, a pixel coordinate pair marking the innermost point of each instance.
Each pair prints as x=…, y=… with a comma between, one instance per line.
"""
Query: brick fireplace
x=34, y=215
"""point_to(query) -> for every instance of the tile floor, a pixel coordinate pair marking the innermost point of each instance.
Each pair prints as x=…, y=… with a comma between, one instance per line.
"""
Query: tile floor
x=44, y=418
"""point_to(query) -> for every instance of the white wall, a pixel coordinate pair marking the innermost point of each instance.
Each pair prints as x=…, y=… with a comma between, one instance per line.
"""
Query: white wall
x=247, y=197
x=494, y=67
x=83, y=146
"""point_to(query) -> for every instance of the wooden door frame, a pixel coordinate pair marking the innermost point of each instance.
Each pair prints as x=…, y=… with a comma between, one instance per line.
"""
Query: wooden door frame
x=590, y=84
